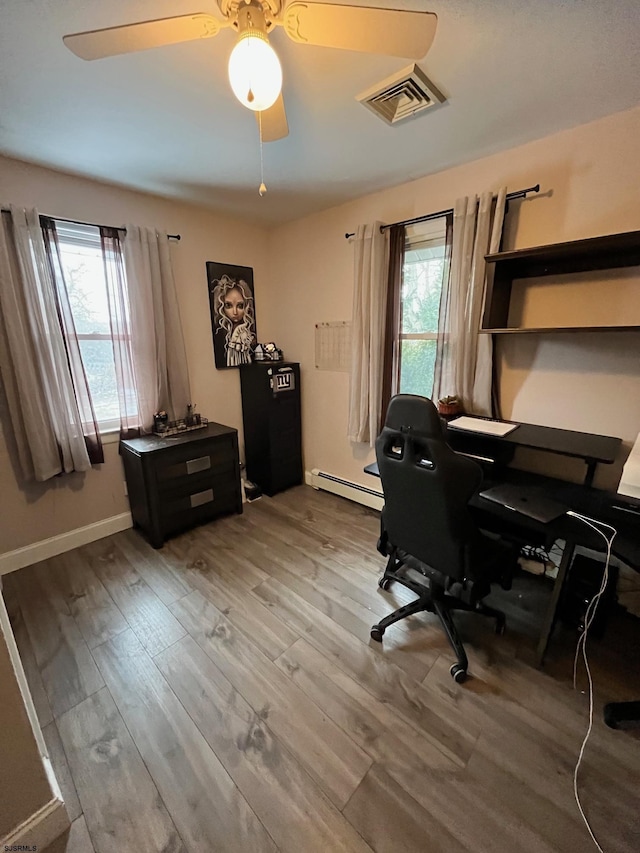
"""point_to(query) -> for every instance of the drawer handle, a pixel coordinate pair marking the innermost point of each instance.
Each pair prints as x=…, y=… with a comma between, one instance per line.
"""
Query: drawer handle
x=203, y=463
x=201, y=498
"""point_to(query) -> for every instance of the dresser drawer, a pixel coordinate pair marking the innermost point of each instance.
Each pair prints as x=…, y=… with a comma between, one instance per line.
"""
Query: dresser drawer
x=192, y=482
x=186, y=510
x=187, y=460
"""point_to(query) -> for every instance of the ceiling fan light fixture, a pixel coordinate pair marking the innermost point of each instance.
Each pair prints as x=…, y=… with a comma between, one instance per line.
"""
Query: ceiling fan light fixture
x=255, y=72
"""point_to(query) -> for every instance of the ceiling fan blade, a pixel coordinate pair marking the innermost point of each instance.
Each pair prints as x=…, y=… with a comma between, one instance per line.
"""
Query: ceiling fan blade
x=274, y=122
x=391, y=32
x=96, y=44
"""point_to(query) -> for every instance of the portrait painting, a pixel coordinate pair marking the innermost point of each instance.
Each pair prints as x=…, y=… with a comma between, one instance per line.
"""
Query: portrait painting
x=233, y=313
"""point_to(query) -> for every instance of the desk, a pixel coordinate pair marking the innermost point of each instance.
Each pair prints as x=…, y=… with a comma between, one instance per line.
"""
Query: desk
x=609, y=507
x=578, y=445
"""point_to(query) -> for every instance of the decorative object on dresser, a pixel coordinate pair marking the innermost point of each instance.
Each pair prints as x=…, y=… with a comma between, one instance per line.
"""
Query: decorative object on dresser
x=178, y=481
x=164, y=427
x=271, y=352
x=267, y=352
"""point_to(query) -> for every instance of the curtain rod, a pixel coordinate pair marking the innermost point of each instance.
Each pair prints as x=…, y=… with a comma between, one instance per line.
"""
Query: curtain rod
x=93, y=224
x=449, y=211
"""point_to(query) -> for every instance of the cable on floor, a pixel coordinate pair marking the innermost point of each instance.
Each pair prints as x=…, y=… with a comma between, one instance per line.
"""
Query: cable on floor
x=582, y=647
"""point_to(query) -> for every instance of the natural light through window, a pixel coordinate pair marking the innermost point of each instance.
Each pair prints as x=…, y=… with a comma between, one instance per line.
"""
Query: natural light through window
x=422, y=275
x=83, y=269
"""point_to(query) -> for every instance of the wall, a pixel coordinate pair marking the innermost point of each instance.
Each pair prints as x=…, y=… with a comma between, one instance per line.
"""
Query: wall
x=584, y=381
x=24, y=787
x=33, y=513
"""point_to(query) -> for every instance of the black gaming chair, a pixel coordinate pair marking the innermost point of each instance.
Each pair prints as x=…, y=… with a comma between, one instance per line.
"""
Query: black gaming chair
x=433, y=545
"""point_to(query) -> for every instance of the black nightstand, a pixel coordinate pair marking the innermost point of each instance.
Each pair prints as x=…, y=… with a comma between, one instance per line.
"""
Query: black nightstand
x=180, y=481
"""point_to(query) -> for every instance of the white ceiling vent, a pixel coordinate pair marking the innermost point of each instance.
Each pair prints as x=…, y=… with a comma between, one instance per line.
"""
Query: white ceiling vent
x=402, y=96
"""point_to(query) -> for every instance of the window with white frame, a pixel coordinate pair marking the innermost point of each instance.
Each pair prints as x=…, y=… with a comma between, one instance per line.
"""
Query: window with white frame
x=83, y=266
x=422, y=277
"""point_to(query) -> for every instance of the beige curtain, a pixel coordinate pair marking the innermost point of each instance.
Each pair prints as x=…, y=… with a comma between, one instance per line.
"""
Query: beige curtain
x=371, y=262
x=36, y=374
x=156, y=361
x=464, y=356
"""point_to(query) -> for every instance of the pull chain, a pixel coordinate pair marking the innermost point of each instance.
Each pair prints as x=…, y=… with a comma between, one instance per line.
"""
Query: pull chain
x=263, y=188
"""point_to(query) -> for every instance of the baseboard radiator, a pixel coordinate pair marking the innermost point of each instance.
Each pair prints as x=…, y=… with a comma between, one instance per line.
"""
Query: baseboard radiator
x=345, y=488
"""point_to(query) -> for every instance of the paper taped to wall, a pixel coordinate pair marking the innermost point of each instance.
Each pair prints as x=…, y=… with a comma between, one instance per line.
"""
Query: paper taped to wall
x=333, y=346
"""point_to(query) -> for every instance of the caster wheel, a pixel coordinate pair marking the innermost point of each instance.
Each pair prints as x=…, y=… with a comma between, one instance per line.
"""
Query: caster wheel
x=384, y=583
x=501, y=627
x=458, y=673
x=376, y=634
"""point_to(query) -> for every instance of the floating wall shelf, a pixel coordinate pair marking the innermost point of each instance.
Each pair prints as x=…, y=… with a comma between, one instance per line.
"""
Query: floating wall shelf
x=613, y=251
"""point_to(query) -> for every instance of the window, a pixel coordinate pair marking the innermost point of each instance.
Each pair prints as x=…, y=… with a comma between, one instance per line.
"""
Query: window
x=422, y=276
x=83, y=267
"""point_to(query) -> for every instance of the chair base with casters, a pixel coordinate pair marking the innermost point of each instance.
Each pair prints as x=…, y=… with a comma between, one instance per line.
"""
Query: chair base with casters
x=434, y=598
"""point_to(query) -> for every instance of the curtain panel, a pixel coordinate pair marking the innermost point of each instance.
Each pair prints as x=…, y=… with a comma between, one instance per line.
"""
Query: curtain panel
x=43, y=375
x=371, y=272
x=145, y=316
x=36, y=363
x=464, y=357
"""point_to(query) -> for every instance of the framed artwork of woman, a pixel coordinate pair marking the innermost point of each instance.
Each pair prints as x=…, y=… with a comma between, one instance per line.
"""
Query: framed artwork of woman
x=233, y=316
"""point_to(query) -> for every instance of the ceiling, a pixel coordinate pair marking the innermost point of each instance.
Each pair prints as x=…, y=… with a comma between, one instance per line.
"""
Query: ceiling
x=165, y=120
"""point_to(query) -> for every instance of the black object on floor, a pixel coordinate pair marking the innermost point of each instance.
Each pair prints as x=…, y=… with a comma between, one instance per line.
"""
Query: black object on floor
x=252, y=491
x=583, y=582
x=622, y=715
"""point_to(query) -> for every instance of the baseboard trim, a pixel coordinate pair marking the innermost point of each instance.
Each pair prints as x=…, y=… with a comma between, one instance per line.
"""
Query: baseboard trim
x=46, y=548
x=40, y=829
x=364, y=495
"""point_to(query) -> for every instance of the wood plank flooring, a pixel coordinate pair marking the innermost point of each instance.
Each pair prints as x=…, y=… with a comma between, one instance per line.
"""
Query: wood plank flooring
x=222, y=695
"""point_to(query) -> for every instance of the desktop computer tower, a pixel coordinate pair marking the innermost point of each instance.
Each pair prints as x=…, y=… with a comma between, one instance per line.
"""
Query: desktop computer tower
x=583, y=582
x=272, y=424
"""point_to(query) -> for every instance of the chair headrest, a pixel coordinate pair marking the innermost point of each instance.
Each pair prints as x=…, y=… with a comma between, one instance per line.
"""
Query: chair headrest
x=416, y=415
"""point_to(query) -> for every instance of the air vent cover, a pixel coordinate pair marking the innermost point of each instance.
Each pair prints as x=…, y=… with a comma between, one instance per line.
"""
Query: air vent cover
x=402, y=96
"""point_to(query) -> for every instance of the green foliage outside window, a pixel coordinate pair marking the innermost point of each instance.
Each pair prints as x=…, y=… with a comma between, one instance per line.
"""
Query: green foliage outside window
x=420, y=294
x=417, y=362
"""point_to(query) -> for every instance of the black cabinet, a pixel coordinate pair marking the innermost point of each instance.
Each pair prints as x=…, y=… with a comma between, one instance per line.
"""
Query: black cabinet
x=272, y=424
x=179, y=481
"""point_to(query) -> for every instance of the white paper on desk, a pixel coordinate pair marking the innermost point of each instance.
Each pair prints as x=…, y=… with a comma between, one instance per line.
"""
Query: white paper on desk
x=480, y=425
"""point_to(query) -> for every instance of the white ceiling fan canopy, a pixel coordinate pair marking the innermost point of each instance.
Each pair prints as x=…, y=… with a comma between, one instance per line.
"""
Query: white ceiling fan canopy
x=270, y=9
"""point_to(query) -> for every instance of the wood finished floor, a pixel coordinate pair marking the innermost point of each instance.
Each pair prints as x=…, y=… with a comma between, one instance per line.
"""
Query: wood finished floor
x=222, y=694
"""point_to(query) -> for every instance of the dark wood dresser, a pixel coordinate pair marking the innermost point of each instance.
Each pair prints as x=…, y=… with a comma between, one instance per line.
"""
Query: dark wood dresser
x=182, y=480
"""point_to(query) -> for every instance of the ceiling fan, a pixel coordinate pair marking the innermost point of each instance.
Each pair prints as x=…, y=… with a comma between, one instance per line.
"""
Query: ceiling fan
x=254, y=68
